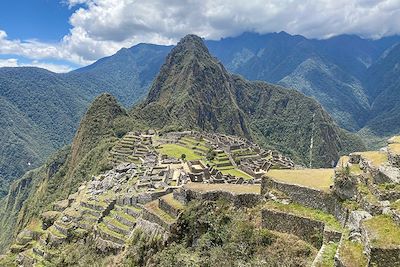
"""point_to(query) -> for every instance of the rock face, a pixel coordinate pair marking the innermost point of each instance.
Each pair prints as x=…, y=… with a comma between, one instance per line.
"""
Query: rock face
x=194, y=91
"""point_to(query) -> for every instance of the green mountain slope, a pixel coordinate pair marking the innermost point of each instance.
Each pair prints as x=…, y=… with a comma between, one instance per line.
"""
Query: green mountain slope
x=193, y=90
x=63, y=173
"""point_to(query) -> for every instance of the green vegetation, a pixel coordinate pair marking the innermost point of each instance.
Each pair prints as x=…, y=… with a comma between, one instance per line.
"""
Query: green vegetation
x=176, y=151
x=213, y=234
x=315, y=178
x=229, y=104
x=300, y=210
x=233, y=188
x=236, y=172
x=376, y=158
x=328, y=256
x=352, y=253
x=383, y=231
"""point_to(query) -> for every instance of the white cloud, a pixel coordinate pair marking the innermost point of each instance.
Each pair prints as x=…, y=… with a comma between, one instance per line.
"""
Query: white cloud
x=13, y=62
x=101, y=27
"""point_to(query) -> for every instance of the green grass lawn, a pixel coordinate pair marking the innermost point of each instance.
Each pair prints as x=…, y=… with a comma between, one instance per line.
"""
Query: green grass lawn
x=383, y=231
x=300, y=210
x=175, y=151
x=376, y=158
x=233, y=188
x=236, y=172
x=315, y=178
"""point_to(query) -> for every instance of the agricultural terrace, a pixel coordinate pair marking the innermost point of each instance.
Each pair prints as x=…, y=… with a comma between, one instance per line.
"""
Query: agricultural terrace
x=233, y=188
x=320, y=179
x=376, y=158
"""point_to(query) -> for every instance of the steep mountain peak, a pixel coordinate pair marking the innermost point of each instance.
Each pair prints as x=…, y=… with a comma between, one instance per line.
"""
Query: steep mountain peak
x=95, y=125
x=188, y=67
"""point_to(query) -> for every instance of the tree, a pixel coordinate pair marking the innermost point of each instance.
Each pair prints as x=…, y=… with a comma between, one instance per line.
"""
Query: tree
x=183, y=156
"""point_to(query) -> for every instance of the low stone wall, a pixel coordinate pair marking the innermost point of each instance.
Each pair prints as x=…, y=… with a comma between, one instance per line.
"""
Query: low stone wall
x=241, y=200
x=309, y=230
x=151, y=217
x=394, y=159
x=168, y=208
x=308, y=197
x=380, y=257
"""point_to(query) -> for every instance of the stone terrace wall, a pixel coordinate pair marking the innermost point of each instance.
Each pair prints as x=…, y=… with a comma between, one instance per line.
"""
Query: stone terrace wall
x=380, y=257
x=307, y=229
x=308, y=197
x=241, y=200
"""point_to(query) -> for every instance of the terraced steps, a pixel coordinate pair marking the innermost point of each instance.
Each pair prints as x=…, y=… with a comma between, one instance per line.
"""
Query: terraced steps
x=153, y=213
x=170, y=205
x=124, y=218
x=116, y=226
x=106, y=234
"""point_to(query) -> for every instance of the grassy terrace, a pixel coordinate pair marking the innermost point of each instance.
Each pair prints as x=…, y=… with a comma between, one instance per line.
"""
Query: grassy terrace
x=328, y=256
x=352, y=254
x=395, y=148
x=376, y=158
x=175, y=151
x=155, y=209
x=233, y=188
x=319, y=179
x=235, y=172
x=300, y=210
x=173, y=202
x=383, y=231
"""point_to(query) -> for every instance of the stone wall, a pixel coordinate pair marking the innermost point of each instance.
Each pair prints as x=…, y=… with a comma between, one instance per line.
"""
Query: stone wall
x=394, y=159
x=309, y=230
x=308, y=197
x=151, y=217
x=378, y=256
x=168, y=208
x=238, y=200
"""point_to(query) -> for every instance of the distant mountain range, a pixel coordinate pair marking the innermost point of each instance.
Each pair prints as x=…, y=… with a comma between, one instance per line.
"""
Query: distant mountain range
x=356, y=81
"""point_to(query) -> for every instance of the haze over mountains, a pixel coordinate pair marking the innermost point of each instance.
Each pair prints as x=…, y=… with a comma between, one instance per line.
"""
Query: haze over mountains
x=355, y=80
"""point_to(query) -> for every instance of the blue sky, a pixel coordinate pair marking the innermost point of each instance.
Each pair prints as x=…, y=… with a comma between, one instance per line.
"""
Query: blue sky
x=62, y=35
x=46, y=20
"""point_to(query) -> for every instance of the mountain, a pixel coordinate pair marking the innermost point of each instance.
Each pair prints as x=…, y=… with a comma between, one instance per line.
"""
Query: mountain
x=64, y=171
x=383, y=87
x=194, y=91
x=41, y=110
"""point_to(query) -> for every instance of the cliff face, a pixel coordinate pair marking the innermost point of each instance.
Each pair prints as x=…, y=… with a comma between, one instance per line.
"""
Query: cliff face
x=194, y=91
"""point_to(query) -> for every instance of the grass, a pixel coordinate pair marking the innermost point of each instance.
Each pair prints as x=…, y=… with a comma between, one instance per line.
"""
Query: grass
x=394, y=139
x=116, y=223
x=328, y=256
x=396, y=206
x=320, y=179
x=105, y=229
x=154, y=208
x=395, y=148
x=376, y=158
x=352, y=254
x=233, y=188
x=300, y=210
x=383, y=231
x=175, y=151
x=173, y=202
x=236, y=173
x=364, y=190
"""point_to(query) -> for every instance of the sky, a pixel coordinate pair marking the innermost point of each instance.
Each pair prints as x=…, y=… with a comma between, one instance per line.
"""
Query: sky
x=61, y=35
